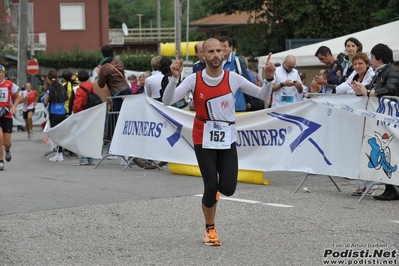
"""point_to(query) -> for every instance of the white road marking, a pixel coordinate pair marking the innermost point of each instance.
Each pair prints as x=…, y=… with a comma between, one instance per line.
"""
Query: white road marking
x=395, y=221
x=253, y=202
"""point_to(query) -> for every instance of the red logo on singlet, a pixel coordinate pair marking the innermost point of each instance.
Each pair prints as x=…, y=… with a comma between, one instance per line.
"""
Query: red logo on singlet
x=224, y=104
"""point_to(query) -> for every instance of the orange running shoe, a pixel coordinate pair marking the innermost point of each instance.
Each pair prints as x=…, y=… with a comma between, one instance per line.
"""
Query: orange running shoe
x=211, y=237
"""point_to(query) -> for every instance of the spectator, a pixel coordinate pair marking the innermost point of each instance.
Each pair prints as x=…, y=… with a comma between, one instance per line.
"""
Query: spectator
x=111, y=73
x=352, y=46
x=142, y=80
x=153, y=83
x=320, y=85
x=303, y=80
x=200, y=64
x=287, y=83
x=164, y=68
x=56, y=97
x=385, y=82
x=69, y=83
x=362, y=73
x=81, y=98
x=334, y=72
x=134, y=84
x=233, y=63
x=253, y=70
x=253, y=104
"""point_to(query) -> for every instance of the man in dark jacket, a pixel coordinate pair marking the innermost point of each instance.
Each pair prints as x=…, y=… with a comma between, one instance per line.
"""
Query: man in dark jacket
x=385, y=82
x=334, y=72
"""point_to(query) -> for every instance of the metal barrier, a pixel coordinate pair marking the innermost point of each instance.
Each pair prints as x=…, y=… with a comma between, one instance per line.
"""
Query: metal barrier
x=392, y=98
x=114, y=104
x=318, y=94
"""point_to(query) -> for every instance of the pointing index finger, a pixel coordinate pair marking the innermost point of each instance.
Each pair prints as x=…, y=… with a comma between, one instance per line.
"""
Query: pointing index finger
x=268, y=58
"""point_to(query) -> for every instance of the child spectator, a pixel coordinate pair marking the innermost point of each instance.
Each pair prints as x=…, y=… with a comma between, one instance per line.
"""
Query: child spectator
x=134, y=84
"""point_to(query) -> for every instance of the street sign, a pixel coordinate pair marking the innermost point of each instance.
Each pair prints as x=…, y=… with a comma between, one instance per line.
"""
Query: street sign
x=32, y=67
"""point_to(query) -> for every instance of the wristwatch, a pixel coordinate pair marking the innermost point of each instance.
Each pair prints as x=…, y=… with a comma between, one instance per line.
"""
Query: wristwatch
x=281, y=84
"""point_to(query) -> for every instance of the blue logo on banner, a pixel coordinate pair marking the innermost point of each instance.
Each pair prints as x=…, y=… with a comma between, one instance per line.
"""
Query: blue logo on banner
x=380, y=154
x=388, y=107
x=172, y=139
x=307, y=128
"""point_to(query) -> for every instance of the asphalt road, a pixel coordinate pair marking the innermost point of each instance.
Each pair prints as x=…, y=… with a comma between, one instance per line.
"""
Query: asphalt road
x=60, y=214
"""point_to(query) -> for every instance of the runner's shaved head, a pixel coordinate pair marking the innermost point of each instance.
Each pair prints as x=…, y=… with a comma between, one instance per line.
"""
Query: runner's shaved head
x=204, y=45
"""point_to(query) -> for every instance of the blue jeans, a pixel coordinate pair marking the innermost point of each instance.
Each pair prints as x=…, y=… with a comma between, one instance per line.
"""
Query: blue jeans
x=85, y=160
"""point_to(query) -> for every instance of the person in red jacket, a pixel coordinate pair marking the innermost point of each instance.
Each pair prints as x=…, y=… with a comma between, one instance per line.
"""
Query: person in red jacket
x=81, y=98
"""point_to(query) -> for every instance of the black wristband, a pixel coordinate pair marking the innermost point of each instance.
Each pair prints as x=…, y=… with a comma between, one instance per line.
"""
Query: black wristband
x=281, y=84
x=270, y=79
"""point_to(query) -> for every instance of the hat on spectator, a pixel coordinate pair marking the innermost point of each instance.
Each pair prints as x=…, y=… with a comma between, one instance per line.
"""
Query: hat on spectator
x=2, y=68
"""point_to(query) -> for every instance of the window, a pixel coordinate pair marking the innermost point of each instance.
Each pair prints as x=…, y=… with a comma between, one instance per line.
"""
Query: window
x=72, y=16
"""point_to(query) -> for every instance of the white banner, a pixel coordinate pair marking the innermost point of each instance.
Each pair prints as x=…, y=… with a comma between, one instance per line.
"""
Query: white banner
x=322, y=135
x=380, y=150
x=81, y=133
x=148, y=129
x=306, y=136
x=37, y=118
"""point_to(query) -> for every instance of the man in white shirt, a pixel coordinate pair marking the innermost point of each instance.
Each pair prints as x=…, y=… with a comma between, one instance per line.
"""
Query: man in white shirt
x=287, y=83
x=153, y=82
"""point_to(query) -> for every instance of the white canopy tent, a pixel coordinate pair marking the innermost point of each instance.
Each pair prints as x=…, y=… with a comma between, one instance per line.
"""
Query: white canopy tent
x=387, y=34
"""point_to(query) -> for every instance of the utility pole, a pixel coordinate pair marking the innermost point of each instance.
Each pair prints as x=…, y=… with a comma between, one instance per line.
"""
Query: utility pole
x=188, y=22
x=177, y=27
x=159, y=19
x=140, y=15
x=22, y=44
x=159, y=25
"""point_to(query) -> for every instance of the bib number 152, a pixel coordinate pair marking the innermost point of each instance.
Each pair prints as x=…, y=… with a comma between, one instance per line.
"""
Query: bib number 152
x=217, y=135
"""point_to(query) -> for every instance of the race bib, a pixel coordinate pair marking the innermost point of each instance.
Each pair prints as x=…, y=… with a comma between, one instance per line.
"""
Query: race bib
x=287, y=99
x=217, y=135
x=3, y=95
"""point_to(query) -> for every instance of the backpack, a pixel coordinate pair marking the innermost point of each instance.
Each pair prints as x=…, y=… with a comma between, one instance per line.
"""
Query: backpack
x=92, y=99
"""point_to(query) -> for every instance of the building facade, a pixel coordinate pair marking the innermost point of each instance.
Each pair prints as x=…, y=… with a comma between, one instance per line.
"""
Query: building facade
x=62, y=24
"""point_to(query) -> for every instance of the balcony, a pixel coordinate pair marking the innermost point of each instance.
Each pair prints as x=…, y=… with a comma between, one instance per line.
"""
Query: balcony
x=35, y=41
x=143, y=35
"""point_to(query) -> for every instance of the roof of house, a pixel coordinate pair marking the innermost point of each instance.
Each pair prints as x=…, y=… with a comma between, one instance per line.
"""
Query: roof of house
x=222, y=19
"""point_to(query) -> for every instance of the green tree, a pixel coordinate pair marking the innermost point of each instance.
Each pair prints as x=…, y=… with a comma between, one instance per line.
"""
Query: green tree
x=126, y=11
x=388, y=14
x=279, y=20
